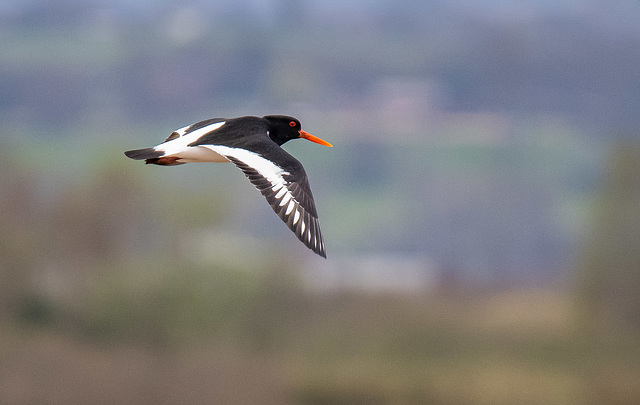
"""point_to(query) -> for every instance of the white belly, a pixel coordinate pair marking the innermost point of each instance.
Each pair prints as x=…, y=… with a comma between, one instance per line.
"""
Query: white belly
x=193, y=154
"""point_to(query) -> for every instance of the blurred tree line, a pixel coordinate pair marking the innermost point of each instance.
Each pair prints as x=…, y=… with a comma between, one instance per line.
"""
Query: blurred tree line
x=609, y=278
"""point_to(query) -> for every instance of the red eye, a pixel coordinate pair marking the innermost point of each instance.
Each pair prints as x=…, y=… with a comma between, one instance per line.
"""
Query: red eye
x=292, y=124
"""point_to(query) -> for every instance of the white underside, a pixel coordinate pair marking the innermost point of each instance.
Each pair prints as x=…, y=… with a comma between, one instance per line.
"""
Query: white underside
x=199, y=154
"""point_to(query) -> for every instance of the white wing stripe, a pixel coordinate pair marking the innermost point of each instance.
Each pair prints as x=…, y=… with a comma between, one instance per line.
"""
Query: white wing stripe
x=267, y=169
x=290, y=207
x=285, y=199
x=181, y=143
x=282, y=192
x=182, y=130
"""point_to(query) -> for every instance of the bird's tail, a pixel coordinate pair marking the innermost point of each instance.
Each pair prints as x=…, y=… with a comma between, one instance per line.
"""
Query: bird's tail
x=152, y=156
x=146, y=153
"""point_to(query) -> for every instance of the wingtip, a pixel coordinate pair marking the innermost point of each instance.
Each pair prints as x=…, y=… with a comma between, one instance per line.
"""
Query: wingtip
x=321, y=250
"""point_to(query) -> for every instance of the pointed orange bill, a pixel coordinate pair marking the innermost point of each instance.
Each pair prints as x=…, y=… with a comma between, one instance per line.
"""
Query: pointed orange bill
x=312, y=138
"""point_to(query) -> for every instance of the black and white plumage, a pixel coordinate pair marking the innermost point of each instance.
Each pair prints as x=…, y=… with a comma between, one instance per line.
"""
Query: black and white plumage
x=253, y=145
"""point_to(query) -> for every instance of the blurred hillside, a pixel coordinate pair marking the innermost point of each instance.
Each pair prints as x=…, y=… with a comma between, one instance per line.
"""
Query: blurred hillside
x=140, y=62
x=478, y=205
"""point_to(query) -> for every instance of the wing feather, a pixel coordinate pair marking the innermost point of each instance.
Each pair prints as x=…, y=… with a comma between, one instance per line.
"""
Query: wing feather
x=288, y=194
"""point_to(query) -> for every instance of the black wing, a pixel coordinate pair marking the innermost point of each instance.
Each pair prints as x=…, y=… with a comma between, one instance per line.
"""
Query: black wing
x=286, y=188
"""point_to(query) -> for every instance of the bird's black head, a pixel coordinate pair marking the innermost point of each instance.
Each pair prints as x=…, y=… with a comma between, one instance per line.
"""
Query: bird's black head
x=283, y=128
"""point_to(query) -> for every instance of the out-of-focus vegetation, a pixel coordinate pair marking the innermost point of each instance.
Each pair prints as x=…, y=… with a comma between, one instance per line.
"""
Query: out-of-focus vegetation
x=610, y=276
x=481, y=219
x=171, y=342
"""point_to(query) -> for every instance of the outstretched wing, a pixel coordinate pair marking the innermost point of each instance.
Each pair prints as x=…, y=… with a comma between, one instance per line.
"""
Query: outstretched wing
x=286, y=190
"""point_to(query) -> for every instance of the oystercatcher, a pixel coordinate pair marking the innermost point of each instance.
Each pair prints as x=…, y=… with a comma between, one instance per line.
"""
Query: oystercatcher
x=253, y=145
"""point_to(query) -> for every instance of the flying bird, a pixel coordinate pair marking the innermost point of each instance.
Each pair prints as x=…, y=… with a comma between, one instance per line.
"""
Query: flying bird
x=253, y=144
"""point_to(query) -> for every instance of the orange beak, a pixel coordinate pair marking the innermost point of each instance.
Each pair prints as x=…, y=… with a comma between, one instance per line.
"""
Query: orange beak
x=312, y=138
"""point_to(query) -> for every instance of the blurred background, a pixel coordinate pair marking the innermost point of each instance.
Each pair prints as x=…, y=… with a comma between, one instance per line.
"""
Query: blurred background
x=480, y=207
